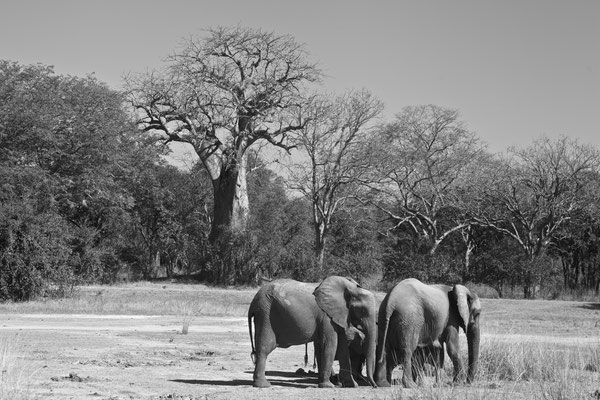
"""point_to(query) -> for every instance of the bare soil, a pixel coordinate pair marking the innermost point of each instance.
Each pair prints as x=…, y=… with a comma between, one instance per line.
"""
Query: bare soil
x=146, y=357
x=91, y=356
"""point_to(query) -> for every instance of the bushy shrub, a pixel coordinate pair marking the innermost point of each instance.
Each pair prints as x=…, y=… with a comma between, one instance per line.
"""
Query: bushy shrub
x=34, y=250
x=436, y=268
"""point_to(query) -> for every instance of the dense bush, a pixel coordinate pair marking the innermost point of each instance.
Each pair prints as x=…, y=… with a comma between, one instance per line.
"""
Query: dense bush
x=35, y=242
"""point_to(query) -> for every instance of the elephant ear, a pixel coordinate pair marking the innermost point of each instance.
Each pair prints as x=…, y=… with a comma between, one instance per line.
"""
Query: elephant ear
x=462, y=295
x=333, y=295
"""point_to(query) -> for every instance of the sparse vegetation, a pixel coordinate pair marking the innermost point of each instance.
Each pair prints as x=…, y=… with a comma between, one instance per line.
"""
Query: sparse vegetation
x=542, y=350
x=143, y=299
x=521, y=369
x=15, y=377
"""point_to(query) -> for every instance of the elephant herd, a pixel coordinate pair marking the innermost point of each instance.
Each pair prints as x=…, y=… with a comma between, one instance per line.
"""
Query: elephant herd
x=342, y=319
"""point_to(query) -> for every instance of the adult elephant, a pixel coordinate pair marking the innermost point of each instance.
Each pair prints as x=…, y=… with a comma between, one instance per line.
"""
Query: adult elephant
x=288, y=312
x=415, y=314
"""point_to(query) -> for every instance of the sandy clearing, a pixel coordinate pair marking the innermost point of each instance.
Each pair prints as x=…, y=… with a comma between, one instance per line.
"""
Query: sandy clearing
x=204, y=324
x=118, y=357
x=118, y=323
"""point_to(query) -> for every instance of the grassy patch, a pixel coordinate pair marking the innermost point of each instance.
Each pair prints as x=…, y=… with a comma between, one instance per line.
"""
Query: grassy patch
x=547, y=368
x=541, y=350
x=528, y=360
x=14, y=376
x=143, y=299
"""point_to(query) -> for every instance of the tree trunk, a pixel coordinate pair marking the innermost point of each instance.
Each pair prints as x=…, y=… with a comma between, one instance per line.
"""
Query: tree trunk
x=154, y=264
x=576, y=271
x=231, y=207
x=319, y=247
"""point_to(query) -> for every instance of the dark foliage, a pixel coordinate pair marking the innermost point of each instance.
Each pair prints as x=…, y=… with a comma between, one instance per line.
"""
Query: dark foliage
x=35, y=241
x=84, y=198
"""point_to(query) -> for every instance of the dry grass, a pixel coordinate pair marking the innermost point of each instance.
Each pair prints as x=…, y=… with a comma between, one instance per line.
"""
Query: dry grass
x=14, y=376
x=521, y=370
x=143, y=299
x=528, y=350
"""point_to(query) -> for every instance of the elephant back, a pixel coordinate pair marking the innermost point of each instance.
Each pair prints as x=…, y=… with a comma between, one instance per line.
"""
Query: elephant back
x=294, y=314
x=416, y=305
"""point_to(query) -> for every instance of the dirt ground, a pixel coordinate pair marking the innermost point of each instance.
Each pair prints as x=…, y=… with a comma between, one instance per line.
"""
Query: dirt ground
x=146, y=357
x=87, y=356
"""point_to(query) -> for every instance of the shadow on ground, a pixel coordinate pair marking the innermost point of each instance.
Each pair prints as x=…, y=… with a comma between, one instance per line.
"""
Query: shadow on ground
x=293, y=381
x=301, y=383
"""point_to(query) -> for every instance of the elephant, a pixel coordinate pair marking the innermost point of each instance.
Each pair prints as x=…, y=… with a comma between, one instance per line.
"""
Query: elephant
x=287, y=312
x=414, y=314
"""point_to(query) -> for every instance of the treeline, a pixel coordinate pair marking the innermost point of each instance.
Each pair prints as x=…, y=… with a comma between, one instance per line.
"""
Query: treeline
x=87, y=196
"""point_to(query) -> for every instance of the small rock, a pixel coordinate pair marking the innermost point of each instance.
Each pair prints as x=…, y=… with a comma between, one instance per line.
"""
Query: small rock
x=74, y=377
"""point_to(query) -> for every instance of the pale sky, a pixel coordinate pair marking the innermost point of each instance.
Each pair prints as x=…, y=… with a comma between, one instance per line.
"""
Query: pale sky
x=515, y=69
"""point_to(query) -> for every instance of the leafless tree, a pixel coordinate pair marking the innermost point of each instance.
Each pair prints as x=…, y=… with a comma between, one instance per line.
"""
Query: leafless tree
x=332, y=157
x=427, y=158
x=222, y=93
x=530, y=193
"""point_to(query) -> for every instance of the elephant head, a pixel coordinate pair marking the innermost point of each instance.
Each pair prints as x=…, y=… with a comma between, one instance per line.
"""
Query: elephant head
x=469, y=309
x=352, y=308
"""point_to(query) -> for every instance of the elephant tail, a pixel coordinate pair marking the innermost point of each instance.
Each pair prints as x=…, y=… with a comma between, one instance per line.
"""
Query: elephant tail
x=250, y=317
x=383, y=323
x=305, y=355
x=386, y=323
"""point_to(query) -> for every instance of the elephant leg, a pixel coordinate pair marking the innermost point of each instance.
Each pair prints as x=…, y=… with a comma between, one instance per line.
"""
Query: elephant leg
x=406, y=356
x=327, y=348
x=382, y=378
x=344, y=358
x=393, y=361
x=356, y=362
x=265, y=344
x=453, y=349
x=438, y=359
x=333, y=378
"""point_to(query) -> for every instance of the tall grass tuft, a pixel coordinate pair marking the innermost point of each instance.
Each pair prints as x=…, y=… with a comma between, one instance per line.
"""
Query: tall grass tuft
x=567, y=387
x=430, y=392
x=14, y=377
x=523, y=360
x=187, y=310
x=519, y=369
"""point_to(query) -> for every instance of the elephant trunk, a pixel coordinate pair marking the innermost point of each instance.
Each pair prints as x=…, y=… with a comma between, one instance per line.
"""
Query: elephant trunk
x=473, y=345
x=371, y=355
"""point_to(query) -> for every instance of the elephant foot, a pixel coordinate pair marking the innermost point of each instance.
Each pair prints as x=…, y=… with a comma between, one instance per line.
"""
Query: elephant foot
x=350, y=383
x=326, y=385
x=335, y=379
x=261, y=383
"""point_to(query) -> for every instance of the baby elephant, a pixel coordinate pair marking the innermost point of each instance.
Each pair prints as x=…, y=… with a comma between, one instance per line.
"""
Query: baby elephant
x=288, y=312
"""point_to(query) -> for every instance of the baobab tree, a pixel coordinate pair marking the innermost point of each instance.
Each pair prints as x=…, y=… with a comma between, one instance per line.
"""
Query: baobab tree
x=221, y=94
